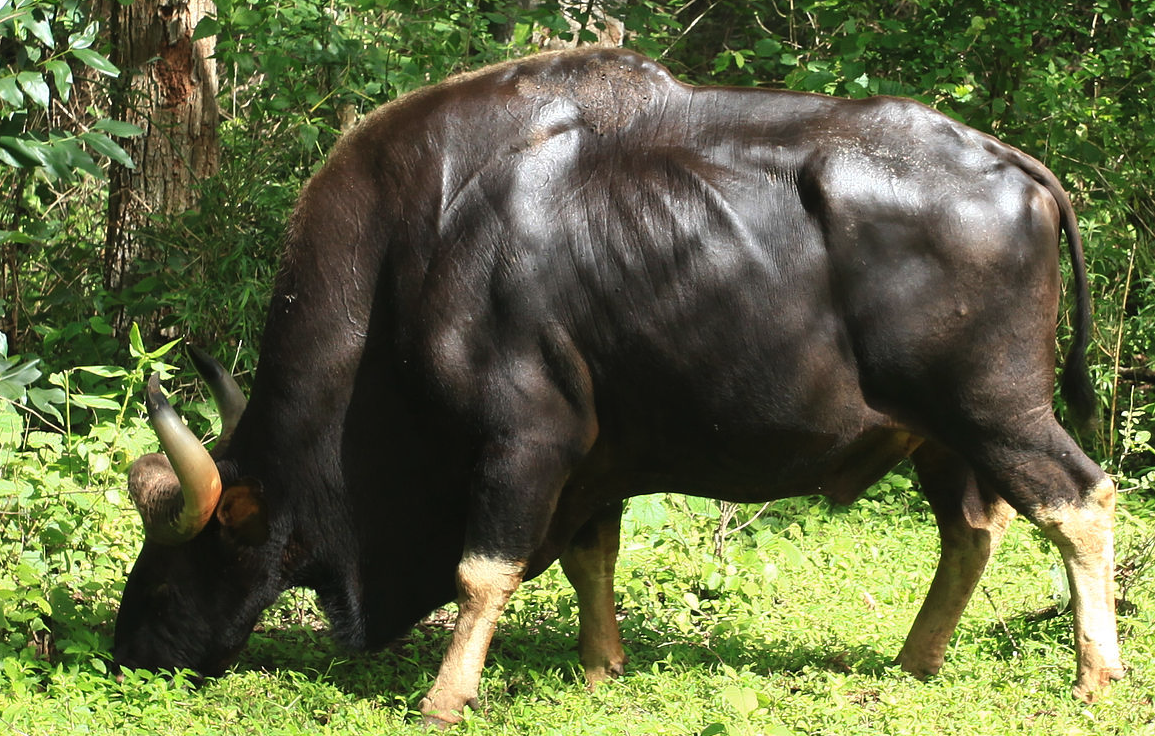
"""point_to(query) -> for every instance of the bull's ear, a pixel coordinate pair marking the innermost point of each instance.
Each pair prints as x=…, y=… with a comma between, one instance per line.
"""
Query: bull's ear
x=242, y=513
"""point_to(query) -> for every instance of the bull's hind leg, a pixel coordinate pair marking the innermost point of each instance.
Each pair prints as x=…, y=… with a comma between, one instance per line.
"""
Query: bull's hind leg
x=1045, y=476
x=1083, y=532
x=589, y=565
x=971, y=525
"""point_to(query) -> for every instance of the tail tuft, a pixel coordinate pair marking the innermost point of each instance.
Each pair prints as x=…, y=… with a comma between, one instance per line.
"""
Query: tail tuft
x=1077, y=390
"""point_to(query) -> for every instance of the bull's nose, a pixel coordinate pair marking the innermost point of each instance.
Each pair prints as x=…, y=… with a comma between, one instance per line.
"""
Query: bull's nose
x=115, y=668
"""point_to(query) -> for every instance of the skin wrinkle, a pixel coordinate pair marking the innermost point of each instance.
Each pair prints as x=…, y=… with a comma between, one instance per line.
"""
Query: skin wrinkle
x=359, y=325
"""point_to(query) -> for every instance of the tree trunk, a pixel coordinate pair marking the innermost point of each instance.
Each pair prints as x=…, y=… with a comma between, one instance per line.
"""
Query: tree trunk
x=168, y=87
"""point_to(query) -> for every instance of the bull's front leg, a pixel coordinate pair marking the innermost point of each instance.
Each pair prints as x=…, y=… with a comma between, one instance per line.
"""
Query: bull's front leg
x=484, y=586
x=971, y=524
x=589, y=565
x=536, y=431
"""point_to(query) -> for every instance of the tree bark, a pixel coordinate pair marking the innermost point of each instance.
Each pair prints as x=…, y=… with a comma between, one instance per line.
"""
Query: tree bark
x=168, y=87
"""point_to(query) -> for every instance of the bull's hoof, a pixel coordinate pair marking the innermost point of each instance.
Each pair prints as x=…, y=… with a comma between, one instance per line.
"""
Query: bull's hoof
x=921, y=668
x=441, y=718
x=1092, y=685
x=432, y=722
x=597, y=675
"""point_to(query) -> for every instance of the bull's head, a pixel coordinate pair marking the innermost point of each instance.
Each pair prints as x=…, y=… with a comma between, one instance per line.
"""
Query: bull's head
x=203, y=575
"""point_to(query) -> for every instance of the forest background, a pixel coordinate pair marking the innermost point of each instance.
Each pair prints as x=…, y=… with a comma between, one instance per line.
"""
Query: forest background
x=125, y=229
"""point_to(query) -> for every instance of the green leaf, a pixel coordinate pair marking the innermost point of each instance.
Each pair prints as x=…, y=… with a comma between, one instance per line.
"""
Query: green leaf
x=742, y=699
x=99, y=325
x=94, y=402
x=10, y=92
x=163, y=349
x=135, y=342
x=104, y=371
x=790, y=551
x=137, y=350
x=44, y=399
x=9, y=160
x=14, y=381
x=11, y=427
x=647, y=512
x=208, y=26
x=42, y=29
x=81, y=161
x=35, y=87
x=108, y=148
x=85, y=38
x=309, y=134
x=57, y=158
x=118, y=128
x=767, y=47
x=19, y=152
x=96, y=61
x=50, y=440
x=62, y=75
x=244, y=17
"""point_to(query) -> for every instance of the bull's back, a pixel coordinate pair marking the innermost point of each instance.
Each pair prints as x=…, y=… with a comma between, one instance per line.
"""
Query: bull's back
x=730, y=268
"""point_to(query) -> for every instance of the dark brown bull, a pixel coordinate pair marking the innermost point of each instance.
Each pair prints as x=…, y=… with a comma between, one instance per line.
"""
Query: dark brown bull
x=512, y=300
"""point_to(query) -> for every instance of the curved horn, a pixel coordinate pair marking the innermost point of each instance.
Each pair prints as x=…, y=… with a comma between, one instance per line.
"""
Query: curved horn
x=226, y=393
x=177, y=492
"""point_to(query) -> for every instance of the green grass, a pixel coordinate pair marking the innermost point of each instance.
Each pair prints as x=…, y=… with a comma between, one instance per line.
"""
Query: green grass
x=792, y=632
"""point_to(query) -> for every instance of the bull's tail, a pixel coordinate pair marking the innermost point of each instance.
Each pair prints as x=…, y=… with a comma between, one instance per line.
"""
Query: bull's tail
x=1075, y=383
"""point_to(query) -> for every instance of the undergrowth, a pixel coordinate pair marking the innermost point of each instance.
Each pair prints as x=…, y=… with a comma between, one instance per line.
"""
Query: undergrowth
x=784, y=622
x=781, y=619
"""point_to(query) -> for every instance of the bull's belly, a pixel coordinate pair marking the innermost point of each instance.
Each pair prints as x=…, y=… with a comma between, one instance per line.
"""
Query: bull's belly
x=840, y=469
x=746, y=472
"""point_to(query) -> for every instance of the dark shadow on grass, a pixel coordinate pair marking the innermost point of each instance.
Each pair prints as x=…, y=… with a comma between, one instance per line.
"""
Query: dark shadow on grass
x=528, y=652
x=1005, y=638
x=402, y=668
x=737, y=649
x=525, y=653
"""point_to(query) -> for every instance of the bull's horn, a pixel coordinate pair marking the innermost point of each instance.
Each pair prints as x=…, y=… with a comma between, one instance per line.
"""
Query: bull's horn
x=226, y=393
x=177, y=492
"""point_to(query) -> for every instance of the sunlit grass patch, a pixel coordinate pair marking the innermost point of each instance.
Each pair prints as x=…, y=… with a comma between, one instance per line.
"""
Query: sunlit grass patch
x=792, y=630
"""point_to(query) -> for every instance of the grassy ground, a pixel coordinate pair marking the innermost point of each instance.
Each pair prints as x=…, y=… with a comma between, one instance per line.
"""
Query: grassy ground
x=791, y=632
